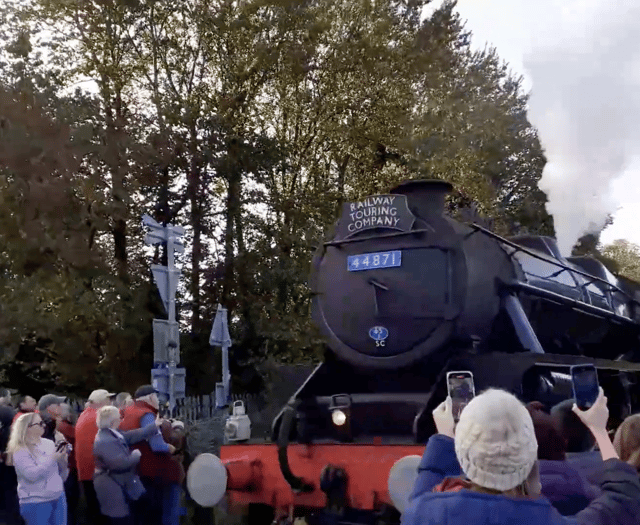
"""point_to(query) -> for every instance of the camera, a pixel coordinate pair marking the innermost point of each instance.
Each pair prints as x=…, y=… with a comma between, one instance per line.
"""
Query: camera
x=62, y=444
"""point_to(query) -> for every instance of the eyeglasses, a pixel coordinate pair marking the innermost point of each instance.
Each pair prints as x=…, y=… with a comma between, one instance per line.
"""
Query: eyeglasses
x=39, y=424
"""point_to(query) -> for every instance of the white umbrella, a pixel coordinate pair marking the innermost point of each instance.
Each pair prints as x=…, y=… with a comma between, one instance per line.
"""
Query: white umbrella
x=220, y=337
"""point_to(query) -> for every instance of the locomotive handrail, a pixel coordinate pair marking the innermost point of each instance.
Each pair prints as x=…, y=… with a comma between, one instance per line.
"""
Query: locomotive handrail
x=555, y=262
x=521, y=324
x=297, y=484
x=563, y=299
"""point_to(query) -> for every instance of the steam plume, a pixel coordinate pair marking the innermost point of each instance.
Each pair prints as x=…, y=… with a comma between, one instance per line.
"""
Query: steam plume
x=585, y=102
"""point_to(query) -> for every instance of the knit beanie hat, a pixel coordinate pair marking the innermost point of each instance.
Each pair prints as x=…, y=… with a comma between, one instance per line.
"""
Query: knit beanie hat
x=495, y=441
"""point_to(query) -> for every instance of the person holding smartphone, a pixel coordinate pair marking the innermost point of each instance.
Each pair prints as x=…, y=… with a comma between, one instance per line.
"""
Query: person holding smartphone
x=39, y=469
x=494, y=444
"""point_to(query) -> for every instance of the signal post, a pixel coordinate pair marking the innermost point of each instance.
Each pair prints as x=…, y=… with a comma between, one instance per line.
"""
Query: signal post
x=166, y=376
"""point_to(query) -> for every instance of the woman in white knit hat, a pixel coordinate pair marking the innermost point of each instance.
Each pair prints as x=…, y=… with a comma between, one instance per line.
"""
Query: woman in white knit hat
x=494, y=446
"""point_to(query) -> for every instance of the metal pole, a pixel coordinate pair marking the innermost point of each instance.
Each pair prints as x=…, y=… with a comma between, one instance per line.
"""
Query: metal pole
x=225, y=372
x=172, y=317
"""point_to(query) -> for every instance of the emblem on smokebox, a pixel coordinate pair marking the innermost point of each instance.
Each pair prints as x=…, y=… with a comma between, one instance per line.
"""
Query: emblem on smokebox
x=379, y=334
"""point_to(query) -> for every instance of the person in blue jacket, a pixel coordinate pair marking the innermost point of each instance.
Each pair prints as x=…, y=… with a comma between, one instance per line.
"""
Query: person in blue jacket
x=494, y=444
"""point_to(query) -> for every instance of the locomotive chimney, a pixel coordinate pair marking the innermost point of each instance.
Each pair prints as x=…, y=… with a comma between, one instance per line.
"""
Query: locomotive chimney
x=425, y=197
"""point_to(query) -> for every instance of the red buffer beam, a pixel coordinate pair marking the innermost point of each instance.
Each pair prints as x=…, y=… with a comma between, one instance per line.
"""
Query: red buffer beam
x=254, y=474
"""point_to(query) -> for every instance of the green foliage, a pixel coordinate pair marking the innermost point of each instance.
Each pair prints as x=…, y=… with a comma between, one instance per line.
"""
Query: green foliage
x=626, y=257
x=247, y=122
x=57, y=293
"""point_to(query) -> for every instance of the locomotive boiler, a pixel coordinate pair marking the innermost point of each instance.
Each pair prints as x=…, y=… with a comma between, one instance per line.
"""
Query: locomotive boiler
x=404, y=293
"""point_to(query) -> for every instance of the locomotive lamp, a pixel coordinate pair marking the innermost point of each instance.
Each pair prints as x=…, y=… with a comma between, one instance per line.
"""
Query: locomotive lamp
x=238, y=425
x=340, y=408
x=338, y=417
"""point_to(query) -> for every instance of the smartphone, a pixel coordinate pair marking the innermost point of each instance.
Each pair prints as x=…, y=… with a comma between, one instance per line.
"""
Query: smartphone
x=461, y=390
x=586, y=389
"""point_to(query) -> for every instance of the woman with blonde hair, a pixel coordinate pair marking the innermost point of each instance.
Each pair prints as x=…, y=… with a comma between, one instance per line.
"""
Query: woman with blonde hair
x=627, y=441
x=39, y=469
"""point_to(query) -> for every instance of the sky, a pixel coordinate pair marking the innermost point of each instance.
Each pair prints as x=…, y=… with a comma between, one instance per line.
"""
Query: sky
x=581, y=65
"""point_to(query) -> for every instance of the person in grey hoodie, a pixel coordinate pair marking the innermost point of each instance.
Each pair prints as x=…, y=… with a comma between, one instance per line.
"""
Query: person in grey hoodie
x=40, y=469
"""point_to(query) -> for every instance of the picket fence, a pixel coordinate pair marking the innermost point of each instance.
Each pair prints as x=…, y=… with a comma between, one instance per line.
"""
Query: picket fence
x=194, y=408
x=191, y=408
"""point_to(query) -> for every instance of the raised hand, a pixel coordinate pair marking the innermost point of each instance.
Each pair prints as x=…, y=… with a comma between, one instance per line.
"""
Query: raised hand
x=596, y=417
x=443, y=417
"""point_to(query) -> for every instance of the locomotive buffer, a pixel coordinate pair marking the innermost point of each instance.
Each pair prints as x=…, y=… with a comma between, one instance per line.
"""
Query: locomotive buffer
x=166, y=376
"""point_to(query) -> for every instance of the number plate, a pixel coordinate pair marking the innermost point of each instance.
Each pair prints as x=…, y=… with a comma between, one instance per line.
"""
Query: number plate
x=373, y=261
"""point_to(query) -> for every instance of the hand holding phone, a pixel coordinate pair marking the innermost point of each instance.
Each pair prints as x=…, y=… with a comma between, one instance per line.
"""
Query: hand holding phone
x=596, y=417
x=443, y=418
x=461, y=390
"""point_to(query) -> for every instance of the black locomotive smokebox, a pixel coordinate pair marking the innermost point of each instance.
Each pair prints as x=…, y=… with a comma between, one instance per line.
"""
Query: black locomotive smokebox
x=390, y=285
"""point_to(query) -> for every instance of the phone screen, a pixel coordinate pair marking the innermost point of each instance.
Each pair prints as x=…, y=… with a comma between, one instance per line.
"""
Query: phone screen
x=585, y=386
x=461, y=390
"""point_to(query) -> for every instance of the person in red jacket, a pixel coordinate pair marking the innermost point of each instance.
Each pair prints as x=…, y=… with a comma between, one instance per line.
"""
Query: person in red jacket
x=86, y=430
x=65, y=426
x=26, y=404
x=158, y=470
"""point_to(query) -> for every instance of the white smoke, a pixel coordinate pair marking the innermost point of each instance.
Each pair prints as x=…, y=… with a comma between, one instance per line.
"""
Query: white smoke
x=580, y=60
x=584, y=66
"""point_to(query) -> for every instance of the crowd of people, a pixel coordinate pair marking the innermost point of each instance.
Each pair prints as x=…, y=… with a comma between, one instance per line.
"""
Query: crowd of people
x=502, y=463
x=507, y=463
x=119, y=457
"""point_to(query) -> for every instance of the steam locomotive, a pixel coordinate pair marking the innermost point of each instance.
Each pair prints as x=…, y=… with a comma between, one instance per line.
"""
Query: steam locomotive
x=403, y=294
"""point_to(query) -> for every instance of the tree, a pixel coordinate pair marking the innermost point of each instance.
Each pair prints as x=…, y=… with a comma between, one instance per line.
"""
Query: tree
x=626, y=256
x=60, y=303
x=250, y=122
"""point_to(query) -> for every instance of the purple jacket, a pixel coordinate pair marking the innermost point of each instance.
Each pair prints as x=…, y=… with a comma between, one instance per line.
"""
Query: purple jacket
x=589, y=464
x=38, y=474
x=565, y=487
